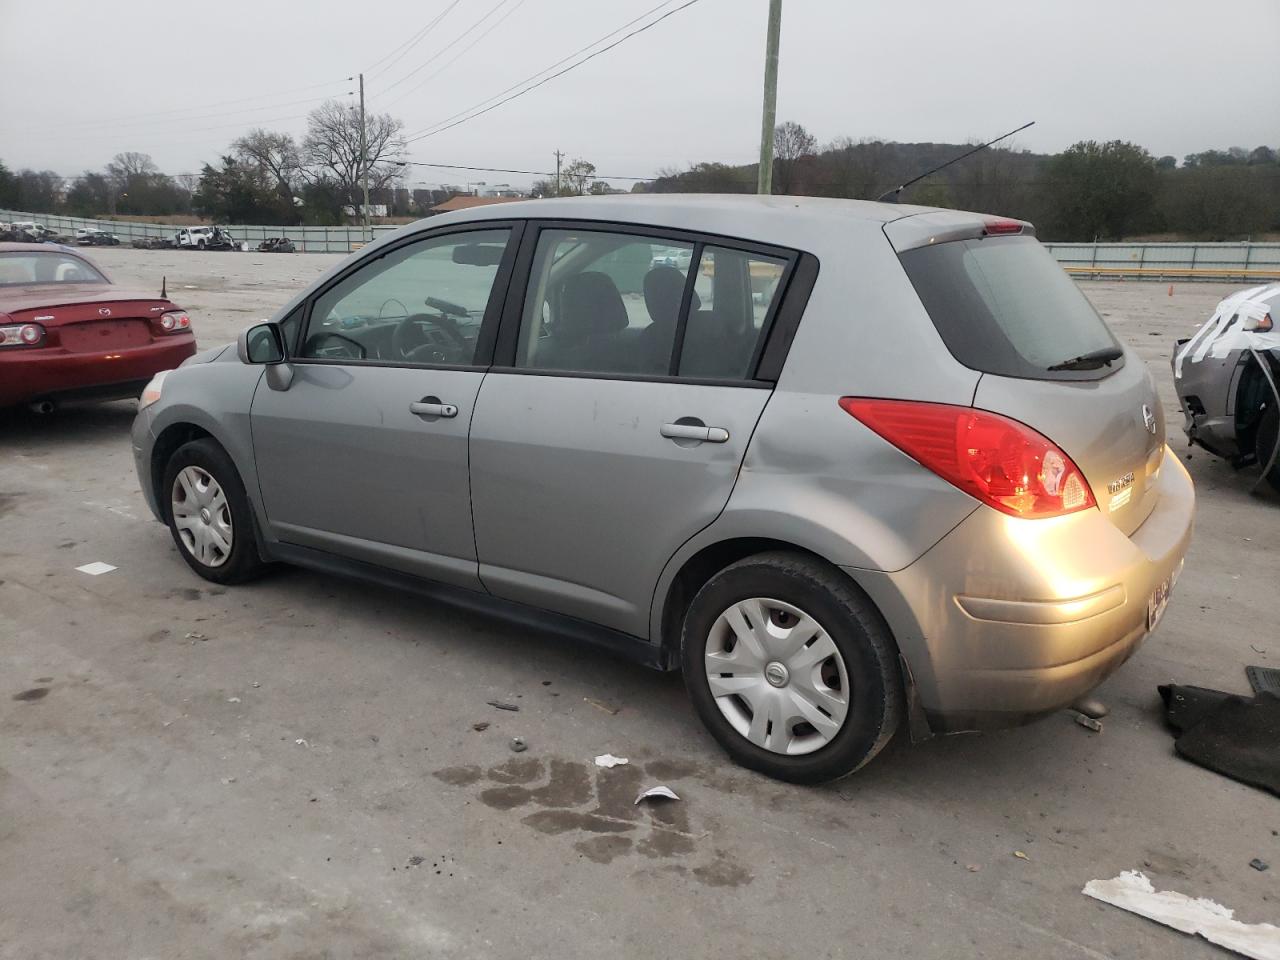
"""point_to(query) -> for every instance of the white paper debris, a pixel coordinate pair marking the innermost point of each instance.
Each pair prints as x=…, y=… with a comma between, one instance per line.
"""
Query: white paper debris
x=1132, y=891
x=659, y=791
x=609, y=760
x=302, y=743
x=233, y=699
x=96, y=569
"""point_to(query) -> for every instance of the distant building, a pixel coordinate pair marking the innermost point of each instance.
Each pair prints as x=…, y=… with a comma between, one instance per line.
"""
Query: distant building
x=466, y=203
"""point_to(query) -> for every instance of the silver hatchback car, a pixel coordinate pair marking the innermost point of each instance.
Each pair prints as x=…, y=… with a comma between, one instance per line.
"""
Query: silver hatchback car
x=842, y=463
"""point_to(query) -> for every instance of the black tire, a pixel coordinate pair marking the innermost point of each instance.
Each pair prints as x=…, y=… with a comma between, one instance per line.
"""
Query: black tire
x=1264, y=442
x=854, y=625
x=243, y=562
x=200, y=245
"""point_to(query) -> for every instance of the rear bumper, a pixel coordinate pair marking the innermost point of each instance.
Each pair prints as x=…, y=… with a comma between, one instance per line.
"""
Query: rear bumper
x=1007, y=620
x=50, y=374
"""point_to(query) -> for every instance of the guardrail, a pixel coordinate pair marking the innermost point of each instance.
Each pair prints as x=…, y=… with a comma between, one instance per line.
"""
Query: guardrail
x=1223, y=262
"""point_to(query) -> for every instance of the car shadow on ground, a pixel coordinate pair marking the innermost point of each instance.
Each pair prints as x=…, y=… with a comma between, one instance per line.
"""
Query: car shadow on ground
x=76, y=422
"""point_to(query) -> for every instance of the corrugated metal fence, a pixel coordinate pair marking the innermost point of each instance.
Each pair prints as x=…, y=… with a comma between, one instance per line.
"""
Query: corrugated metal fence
x=306, y=239
x=1240, y=262
x=1236, y=262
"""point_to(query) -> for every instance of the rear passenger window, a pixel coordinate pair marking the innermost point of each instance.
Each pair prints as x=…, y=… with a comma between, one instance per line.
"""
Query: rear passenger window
x=603, y=303
x=734, y=292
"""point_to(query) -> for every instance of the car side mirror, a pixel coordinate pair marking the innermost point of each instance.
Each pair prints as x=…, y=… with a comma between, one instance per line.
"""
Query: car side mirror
x=261, y=343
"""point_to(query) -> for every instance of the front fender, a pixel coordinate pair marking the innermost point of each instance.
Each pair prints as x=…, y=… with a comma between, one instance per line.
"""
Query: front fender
x=215, y=397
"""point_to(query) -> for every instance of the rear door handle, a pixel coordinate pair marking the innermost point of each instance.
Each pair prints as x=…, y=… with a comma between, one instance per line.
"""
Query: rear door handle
x=695, y=431
x=432, y=407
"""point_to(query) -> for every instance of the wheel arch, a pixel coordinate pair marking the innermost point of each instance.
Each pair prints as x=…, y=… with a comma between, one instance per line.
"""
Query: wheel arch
x=167, y=443
x=689, y=570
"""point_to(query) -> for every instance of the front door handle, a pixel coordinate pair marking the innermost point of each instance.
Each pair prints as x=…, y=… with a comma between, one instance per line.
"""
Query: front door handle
x=432, y=407
x=695, y=431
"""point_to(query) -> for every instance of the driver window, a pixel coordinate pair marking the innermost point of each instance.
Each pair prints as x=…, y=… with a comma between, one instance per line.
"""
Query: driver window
x=418, y=305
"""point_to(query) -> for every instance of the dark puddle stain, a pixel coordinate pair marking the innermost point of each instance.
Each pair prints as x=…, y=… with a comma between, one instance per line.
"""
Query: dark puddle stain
x=672, y=769
x=44, y=679
x=157, y=636
x=67, y=545
x=32, y=695
x=567, y=790
x=562, y=821
x=505, y=798
x=517, y=771
x=8, y=501
x=603, y=849
x=722, y=873
x=661, y=844
x=459, y=776
x=190, y=593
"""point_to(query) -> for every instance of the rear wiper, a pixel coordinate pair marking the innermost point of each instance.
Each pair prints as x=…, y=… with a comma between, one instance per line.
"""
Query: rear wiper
x=1091, y=360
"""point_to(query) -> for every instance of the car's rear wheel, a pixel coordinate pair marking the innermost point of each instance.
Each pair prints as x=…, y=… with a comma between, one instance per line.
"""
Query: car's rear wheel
x=1264, y=444
x=791, y=668
x=209, y=514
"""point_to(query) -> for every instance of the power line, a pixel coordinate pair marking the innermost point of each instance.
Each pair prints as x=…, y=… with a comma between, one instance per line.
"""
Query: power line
x=432, y=129
x=532, y=173
x=435, y=73
x=186, y=109
x=226, y=113
x=435, y=56
x=411, y=42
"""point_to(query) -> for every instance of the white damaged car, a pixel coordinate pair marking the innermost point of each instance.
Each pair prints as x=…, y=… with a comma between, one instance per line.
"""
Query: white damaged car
x=1227, y=378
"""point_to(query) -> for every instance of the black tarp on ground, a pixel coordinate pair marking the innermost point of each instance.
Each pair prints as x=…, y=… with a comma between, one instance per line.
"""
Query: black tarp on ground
x=1238, y=737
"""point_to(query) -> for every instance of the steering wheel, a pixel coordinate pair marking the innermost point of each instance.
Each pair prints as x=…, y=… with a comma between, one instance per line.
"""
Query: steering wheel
x=406, y=338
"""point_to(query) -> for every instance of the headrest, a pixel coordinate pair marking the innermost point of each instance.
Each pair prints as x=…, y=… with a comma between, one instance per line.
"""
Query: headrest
x=590, y=305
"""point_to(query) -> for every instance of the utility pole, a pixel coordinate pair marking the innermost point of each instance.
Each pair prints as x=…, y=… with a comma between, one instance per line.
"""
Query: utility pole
x=364, y=162
x=764, y=182
x=559, y=156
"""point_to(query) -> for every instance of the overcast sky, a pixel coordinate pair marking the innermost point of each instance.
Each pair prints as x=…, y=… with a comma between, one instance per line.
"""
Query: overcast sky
x=180, y=80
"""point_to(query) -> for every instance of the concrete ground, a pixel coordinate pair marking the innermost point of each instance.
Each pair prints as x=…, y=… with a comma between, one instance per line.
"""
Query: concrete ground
x=291, y=768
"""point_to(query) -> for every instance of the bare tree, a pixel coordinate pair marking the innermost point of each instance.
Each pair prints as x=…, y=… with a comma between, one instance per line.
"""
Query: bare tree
x=123, y=166
x=331, y=148
x=791, y=142
x=278, y=155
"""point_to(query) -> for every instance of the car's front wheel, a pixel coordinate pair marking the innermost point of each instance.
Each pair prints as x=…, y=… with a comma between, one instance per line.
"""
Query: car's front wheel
x=791, y=668
x=1264, y=443
x=209, y=513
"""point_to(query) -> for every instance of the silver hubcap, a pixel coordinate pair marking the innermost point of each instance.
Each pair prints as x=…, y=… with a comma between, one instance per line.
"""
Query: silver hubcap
x=202, y=516
x=777, y=676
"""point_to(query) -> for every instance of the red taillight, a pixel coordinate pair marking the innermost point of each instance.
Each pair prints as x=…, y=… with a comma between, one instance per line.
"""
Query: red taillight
x=999, y=461
x=21, y=335
x=175, y=321
x=997, y=227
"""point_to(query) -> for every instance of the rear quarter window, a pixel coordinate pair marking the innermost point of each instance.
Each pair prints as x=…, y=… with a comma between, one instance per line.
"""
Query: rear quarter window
x=1002, y=305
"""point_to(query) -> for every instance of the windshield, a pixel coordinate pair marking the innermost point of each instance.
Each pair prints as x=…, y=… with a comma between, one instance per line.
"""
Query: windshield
x=21, y=268
x=1003, y=305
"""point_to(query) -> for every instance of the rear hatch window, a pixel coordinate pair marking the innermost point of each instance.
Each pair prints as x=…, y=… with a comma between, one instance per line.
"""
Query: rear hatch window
x=1003, y=306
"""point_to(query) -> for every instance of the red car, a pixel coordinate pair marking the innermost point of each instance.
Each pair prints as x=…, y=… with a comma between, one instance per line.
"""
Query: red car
x=68, y=332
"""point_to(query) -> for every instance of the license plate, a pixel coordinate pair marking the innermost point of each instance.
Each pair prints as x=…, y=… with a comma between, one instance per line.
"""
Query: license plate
x=1157, y=602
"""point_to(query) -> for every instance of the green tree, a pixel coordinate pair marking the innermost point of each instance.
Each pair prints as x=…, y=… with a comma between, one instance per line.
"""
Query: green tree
x=90, y=195
x=8, y=187
x=239, y=193
x=1101, y=190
